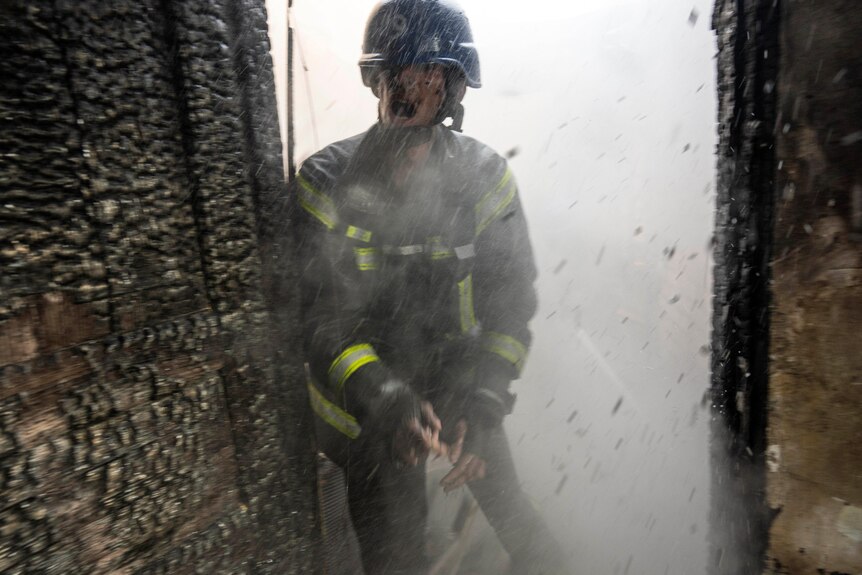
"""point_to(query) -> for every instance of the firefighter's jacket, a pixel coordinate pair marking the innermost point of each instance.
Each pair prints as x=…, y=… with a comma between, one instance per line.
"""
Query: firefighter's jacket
x=430, y=282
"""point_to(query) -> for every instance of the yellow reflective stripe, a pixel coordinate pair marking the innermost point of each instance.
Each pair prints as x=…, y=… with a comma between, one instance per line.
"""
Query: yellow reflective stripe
x=506, y=347
x=348, y=362
x=366, y=258
x=494, y=202
x=316, y=203
x=438, y=250
x=465, y=304
x=358, y=234
x=332, y=414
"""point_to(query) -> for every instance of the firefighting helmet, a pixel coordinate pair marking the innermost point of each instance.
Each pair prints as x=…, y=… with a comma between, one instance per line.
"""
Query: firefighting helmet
x=401, y=33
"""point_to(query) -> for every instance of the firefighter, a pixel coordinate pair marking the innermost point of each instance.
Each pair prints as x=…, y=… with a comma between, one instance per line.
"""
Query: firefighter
x=416, y=288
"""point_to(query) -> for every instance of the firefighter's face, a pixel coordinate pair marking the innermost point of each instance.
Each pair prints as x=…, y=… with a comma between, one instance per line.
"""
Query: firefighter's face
x=411, y=96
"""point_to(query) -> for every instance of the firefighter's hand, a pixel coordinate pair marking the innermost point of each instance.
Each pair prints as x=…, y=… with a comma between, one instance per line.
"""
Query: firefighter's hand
x=418, y=436
x=468, y=465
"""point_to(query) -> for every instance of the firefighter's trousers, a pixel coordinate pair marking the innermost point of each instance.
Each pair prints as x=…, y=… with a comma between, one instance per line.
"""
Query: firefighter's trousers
x=388, y=508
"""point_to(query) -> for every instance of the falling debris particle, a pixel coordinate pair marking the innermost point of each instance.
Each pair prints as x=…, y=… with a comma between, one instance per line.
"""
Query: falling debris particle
x=692, y=256
x=617, y=406
x=547, y=405
x=646, y=345
x=572, y=416
x=639, y=230
x=839, y=76
x=674, y=299
x=699, y=88
x=808, y=229
x=520, y=439
x=573, y=204
x=704, y=349
x=560, y=266
x=550, y=315
x=666, y=395
x=679, y=379
x=561, y=484
x=563, y=125
x=691, y=496
x=693, y=16
x=621, y=99
x=601, y=253
x=851, y=139
x=768, y=87
x=512, y=153
x=686, y=148
x=669, y=252
x=619, y=442
x=602, y=155
x=625, y=319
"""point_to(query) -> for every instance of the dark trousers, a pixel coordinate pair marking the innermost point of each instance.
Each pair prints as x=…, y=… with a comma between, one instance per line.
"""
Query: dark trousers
x=388, y=508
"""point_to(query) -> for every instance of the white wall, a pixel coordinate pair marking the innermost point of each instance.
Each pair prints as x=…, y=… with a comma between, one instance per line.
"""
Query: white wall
x=611, y=105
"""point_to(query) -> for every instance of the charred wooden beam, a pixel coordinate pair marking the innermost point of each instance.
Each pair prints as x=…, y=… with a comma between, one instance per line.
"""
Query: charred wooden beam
x=151, y=418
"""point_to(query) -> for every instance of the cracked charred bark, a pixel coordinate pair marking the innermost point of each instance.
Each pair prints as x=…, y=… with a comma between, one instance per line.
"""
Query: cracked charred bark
x=151, y=421
x=747, y=33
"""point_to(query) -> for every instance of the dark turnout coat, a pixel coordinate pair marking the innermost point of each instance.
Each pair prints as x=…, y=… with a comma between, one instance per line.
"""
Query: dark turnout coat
x=430, y=282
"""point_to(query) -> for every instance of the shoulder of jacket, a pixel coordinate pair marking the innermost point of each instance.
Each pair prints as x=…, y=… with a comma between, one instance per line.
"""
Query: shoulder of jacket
x=472, y=149
x=328, y=164
x=479, y=164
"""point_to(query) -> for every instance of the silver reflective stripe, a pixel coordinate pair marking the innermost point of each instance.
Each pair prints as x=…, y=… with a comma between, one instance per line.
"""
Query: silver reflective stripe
x=366, y=258
x=358, y=234
x=332, y=414
x=403, y=250
x=494, y=202
x=465, y=305
x=348, y=362
x=465, y=252
x=316, y=203
x=491, y=395
x=506, y=347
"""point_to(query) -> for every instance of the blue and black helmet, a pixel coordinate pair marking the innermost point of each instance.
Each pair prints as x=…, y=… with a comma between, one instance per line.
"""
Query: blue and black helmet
x=407, y=32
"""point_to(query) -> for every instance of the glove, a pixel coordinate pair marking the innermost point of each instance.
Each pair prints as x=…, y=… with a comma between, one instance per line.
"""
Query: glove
x=396, y=417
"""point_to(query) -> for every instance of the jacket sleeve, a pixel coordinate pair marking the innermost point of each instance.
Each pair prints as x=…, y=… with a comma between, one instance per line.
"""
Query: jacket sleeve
x=332, y=297
x=503, y=284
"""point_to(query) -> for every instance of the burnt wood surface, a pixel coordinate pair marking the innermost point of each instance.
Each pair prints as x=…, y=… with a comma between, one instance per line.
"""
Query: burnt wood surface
x=747, y=68
x=152, y=419
x=815, y=396
x=787, y=372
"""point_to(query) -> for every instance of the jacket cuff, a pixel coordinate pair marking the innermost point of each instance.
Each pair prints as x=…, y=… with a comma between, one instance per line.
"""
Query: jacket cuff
x=491, y=400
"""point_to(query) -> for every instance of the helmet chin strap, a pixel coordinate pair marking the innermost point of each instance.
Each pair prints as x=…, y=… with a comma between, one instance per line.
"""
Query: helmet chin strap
x=457, y=118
